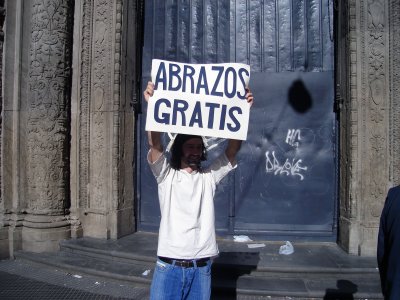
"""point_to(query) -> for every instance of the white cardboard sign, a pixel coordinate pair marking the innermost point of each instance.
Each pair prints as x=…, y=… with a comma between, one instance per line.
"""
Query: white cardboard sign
x=202, y=99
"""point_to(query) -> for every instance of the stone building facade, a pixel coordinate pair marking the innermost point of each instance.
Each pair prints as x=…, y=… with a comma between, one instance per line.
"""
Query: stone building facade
x=70, y=89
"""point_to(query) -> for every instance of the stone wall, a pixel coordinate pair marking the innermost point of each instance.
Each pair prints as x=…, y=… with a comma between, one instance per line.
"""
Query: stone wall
x=365, y=147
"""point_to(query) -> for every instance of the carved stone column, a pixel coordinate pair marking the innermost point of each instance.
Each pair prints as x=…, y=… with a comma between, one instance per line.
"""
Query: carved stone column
x=102, y=170
x=394, y=18
x=13, y=169
x=3, y=230
x=48, y=116
x=367, y=115
x=375, y=96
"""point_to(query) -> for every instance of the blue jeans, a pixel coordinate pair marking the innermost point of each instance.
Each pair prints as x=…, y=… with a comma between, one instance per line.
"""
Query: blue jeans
x=172, y=282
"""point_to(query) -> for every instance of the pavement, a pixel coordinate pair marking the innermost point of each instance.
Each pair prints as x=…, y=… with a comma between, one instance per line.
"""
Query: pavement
x=20, y=279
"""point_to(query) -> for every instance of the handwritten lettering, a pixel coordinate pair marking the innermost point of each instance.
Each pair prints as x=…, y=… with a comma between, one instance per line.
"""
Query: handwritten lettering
x=292, y=168
x=293, y=137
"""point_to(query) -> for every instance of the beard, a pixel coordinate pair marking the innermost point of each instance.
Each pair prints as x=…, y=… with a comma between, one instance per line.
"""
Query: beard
x=193, y=160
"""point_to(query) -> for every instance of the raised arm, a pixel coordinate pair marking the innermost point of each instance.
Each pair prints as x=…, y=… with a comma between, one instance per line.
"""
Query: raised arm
x=233, y=146
x=154, y=137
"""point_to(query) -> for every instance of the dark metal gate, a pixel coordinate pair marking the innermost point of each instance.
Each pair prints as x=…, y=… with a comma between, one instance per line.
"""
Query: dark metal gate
x=285, y=185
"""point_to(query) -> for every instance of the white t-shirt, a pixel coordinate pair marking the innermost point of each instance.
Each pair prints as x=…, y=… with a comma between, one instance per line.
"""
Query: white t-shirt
x=187, y=227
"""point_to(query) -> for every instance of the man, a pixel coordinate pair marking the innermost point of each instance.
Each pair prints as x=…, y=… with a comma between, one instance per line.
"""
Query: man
x=186, y=239
x=389, y=245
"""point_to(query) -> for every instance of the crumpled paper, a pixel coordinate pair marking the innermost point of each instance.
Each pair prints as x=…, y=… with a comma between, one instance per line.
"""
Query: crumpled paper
x=241, y=238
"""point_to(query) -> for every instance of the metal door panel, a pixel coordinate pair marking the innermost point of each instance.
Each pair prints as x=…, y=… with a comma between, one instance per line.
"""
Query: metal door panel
x=286, y=179
x=282, y=41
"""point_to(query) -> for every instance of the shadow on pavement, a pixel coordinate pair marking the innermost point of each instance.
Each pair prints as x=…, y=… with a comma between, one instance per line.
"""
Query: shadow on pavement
x=227, y=269
x=345, y=290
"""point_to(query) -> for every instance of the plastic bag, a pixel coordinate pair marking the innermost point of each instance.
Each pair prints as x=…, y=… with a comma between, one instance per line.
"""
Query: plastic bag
x=286, y=249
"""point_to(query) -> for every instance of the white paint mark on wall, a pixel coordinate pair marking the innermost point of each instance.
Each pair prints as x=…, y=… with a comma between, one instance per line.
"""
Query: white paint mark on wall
x=288, y=168
x=293, y=137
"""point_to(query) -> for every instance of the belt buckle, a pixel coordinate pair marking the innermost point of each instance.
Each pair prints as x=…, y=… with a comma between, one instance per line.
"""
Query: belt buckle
x=186, y=263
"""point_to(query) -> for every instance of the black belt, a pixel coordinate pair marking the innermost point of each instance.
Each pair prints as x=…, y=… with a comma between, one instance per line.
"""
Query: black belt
x=185, y=263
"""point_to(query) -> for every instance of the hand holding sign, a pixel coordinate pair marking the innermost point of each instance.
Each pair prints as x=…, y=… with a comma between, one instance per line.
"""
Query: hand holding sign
x=149, y=91
x=208, y=99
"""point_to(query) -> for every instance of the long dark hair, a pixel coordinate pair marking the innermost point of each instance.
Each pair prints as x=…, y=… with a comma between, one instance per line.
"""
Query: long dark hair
x=176, y=149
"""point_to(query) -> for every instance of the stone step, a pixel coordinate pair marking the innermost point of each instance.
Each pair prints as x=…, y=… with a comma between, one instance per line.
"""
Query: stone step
x=233, y=259
x=228, y=282
x=82, y=264
x=98, y=249
x=313, y=271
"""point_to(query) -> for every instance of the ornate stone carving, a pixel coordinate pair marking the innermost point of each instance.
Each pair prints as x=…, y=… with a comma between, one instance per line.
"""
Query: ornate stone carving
x=98, y=176
x=2, y=17
x=394, y=17
x=377, y=85
x=105, y=105
x=117, y=197
x=48, y=115
x=354, y=114
x=101, y=124
x=367, y=165
x=373, y=165
x=84, y=107
x=102, y=52
x=101, y=104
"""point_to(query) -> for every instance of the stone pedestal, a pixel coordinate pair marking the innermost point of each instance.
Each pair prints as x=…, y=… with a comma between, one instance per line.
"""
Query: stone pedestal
x=43, y=233
x=4, y=242
x=15, y=233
